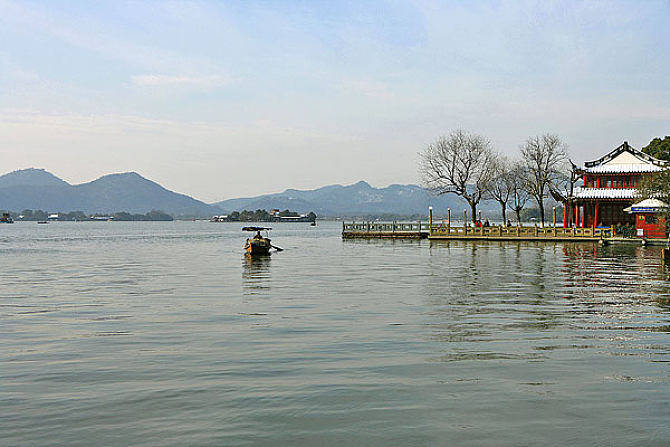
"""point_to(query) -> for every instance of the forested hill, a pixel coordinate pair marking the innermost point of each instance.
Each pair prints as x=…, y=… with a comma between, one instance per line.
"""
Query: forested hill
x=357, y=199
x=38, y=189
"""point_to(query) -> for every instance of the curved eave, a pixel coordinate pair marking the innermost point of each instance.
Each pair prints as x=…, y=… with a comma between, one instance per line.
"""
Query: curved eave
x=605, y=194
x=623, y=170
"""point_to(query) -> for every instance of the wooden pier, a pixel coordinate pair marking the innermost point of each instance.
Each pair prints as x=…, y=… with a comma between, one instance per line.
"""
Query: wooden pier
x=388, y=230
x=443, y=231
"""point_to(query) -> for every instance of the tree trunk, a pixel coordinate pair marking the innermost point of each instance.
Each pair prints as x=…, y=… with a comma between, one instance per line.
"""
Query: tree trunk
x=518, y=215
x=541, y=204
x=473, y=210
x=503, y=207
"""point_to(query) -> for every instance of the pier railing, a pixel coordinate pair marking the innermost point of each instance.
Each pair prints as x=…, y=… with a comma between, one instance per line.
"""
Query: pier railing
x=392, y=230
x=498, y=231
x=386, y=227
x=444, y=230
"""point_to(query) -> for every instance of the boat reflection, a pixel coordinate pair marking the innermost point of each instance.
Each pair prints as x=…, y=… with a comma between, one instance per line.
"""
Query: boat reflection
x=256, y=273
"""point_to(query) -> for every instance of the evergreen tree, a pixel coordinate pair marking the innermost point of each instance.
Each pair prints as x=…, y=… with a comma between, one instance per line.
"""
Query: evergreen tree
x=658, y=148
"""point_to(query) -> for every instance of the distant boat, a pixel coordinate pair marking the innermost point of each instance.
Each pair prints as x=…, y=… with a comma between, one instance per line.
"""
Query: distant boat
x=42, y=221
x=6, y=218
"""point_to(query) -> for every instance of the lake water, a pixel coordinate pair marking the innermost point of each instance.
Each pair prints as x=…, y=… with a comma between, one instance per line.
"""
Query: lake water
x=165, y=334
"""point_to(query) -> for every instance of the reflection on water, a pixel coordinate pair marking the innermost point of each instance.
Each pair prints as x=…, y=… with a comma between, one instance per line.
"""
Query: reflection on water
x=256, y=273
x=157, y=328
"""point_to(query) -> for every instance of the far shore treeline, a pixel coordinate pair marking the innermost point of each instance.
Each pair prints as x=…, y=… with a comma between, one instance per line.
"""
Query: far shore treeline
x=80, y=216
x=155, y=215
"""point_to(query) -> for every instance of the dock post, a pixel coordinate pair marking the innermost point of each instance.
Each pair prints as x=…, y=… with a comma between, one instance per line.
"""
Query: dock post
x=465, y=222
x=430, y=221
x=554, y=220
x=448, y=220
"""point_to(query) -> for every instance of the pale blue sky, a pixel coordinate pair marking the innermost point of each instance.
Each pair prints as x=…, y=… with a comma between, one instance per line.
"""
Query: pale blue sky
x=227, y=98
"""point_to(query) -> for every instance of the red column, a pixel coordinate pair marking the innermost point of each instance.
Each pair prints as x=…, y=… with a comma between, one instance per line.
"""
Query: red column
x=595, y=215
x=583, y=214
x=566, y=211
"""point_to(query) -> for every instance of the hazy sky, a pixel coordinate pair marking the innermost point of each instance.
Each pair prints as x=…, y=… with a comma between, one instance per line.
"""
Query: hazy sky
x=231, y=98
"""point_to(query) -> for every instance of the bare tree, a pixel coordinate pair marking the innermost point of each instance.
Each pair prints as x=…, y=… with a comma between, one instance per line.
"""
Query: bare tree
x=544, y=158
x=461, y=164
x=502, y=184
x=518, y=196
x=562, y=190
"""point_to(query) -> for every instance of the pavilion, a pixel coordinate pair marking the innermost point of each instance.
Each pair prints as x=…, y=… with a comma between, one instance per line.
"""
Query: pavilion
x=610, y=185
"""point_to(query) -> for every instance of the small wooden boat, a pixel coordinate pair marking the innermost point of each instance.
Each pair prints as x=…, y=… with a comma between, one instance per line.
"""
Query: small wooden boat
x=258, y=245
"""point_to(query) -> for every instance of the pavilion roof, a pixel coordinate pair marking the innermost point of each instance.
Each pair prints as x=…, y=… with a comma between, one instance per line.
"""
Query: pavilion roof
x=625, y=159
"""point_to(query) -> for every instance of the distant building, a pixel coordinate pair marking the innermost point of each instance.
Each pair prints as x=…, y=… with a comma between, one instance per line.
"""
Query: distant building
x=300, y=218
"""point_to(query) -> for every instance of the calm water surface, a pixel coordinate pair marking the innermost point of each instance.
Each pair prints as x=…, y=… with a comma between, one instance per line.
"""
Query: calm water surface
x=164, y=334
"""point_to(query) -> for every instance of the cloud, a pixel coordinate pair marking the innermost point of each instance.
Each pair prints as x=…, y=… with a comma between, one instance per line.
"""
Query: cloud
x=172, y=80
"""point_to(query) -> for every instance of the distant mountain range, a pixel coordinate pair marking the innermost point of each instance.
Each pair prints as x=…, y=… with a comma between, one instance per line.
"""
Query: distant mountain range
x=359, y=199
x=38, y=189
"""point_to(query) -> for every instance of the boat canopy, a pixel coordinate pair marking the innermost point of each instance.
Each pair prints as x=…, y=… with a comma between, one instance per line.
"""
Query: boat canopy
x=255, y=228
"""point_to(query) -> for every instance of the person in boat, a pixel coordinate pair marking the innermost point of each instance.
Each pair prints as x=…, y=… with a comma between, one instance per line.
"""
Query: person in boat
x=258, y=235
